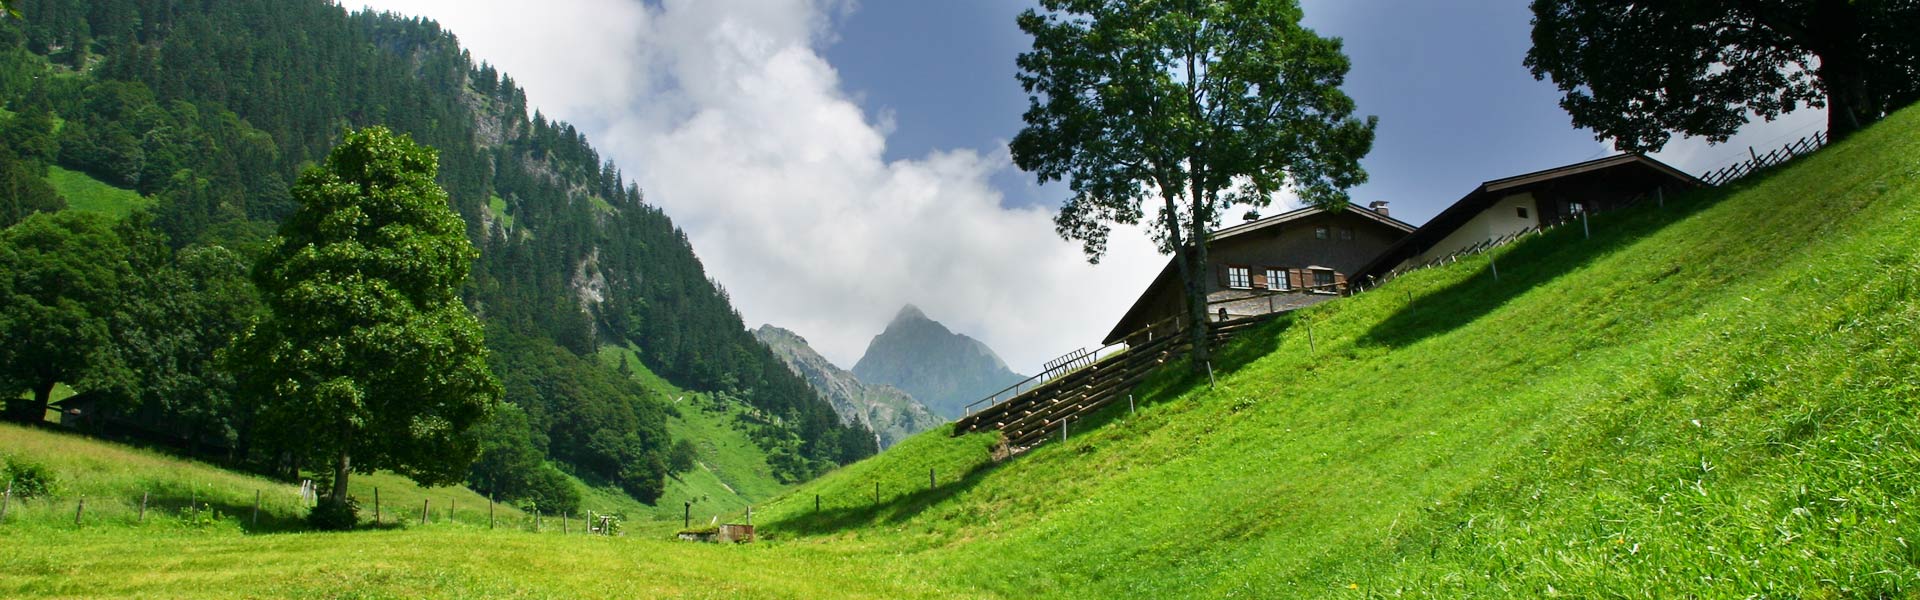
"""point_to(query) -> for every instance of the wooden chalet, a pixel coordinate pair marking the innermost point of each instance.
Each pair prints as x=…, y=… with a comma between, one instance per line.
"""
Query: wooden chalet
x=1276, y=264
x=1505, y=207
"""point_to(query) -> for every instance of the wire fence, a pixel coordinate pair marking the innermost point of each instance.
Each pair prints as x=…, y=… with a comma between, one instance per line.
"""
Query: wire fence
x=275, y=510
x=1758, y=162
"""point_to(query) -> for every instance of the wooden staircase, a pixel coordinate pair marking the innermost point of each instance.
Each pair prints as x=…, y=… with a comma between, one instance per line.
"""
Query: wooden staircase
x=1033, y=416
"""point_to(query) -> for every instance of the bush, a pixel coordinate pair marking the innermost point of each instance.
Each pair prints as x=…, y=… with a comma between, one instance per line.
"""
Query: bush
x=29, y=479
x=550, y=490
x=331, y=515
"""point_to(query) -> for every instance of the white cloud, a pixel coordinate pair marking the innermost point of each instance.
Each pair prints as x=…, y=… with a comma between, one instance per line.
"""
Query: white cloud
x=727, y=115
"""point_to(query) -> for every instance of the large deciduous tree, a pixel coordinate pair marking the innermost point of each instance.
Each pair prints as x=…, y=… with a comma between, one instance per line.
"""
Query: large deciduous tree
x=1638, y=72
x=1198, y=104
x=368, y=359
x=61, y=276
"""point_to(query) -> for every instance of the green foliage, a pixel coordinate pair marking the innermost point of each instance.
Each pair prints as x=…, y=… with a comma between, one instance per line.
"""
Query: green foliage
x=24, y=190
x=180, y=311
x=1639, y=72
x=61, y=275
x=367, y=352
x=607, y=428
x=512, y=469
x=28, y=479
x=682, y=458
x=334, y=515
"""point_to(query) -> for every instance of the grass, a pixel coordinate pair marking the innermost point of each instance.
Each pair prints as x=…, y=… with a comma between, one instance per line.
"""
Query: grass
x=83, y=192
x=1714, y=399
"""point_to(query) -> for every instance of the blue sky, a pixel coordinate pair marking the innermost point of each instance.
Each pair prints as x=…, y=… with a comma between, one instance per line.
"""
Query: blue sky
x=1456, y=105
x=832, y=160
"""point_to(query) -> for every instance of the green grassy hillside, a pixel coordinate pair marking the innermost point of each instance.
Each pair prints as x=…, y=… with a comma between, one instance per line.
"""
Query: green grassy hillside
x=731, y=472
x=1714, y=399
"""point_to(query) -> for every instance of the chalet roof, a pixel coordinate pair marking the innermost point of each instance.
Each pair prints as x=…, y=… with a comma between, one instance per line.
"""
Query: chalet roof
x=1169, y=272
x=1301, y=213
x=1464, y=209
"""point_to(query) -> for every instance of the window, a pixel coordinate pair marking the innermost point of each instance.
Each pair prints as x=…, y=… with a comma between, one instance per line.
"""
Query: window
x=1522, y=210
x=1319, y=233
x=1277, y=280
x=1238, y=278
x=1346, y=233
x=1323, y=280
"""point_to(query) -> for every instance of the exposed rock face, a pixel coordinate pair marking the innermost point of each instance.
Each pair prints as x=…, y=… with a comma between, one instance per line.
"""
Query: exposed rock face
x=942, y=369
x=890, y=413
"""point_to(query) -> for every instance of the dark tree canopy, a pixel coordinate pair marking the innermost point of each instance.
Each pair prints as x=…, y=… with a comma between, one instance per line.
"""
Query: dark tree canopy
x=1638, y=72
x=368, y=357
x=61, y=277
x=1199, y=104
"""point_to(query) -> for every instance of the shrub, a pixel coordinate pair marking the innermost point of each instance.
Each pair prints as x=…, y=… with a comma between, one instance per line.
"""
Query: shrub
x=551, y=491
x=29, y=479
x=331, y=515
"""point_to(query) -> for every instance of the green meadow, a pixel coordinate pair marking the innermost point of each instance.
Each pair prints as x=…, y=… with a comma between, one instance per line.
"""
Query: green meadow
x=1716, y=398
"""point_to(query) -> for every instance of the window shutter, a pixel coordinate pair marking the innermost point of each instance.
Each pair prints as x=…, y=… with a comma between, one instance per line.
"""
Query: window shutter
x=1339, y=279
x=1259, y=277
x=1222, y=270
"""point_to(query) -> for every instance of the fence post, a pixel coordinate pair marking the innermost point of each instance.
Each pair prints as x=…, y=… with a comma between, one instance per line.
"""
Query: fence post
x=424, y=503
x=376, y=506
x=450, y=506
x=1494, y=265
x=686, y=517
x=5, y=500
x=256, y=507
x=565, y=527
x=491, y=522
x=1129, y=403
x=816, y=503
x=78, y=509
x=930, y=479
x=876, y=493
x=1584, y=228
x=143, y=507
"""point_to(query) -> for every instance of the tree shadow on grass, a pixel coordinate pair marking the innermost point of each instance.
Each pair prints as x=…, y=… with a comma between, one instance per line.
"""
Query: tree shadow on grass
x=892, y=509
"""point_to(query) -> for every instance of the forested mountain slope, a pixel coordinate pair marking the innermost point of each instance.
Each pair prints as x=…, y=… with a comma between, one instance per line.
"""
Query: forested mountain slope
x=208, y=110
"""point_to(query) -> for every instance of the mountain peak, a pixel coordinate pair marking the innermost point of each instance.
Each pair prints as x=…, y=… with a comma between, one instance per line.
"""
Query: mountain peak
x=910, y=313
x=942, y=369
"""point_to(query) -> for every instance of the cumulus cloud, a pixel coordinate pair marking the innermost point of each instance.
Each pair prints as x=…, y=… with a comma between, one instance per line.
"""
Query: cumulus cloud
x=727, y=115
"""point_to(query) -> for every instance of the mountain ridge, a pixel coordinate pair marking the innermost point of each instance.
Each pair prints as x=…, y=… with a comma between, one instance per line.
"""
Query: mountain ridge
x=890, y=412
x=942, y=369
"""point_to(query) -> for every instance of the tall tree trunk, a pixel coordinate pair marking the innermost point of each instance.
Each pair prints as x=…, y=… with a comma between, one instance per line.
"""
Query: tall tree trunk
x=342, y=468
x=1199, y=334
x=33, y=411
x=1839, y=41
